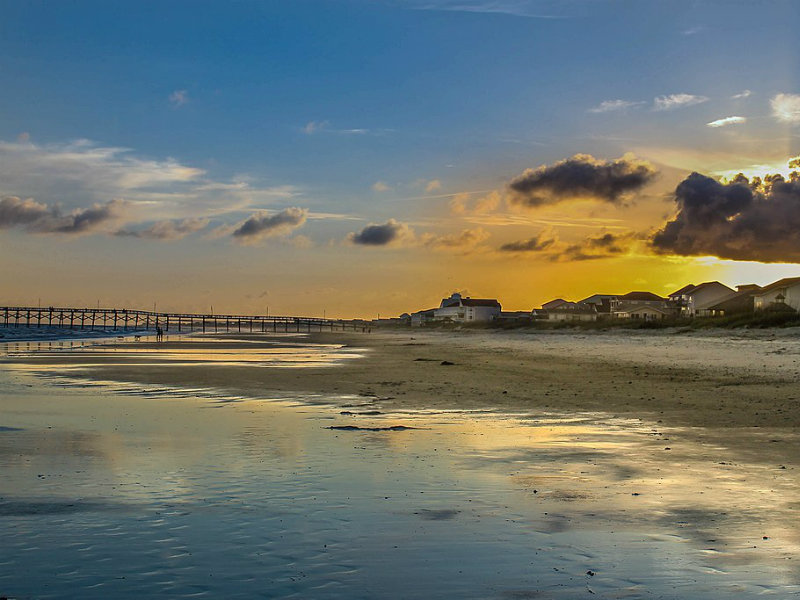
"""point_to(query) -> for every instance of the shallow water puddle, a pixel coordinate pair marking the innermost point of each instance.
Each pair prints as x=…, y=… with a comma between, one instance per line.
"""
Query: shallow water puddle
x=119, y=490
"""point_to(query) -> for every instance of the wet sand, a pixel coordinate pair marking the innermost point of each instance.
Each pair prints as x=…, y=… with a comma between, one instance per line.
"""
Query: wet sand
x=614, y=465
x=717, y=380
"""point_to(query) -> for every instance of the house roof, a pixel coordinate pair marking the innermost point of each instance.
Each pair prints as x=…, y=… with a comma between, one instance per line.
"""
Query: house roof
x=635, y=307
x=554, y=303
x=781, y=283
x=721, y=303
x=480, y=302
x=709, y=284
x=597, y=298
x=641, y=297
x=684, y=290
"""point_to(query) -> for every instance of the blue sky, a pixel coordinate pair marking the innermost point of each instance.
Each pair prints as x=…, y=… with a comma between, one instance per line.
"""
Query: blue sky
x=363, y=111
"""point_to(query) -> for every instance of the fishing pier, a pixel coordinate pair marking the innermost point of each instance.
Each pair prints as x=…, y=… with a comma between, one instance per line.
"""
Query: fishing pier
x=143, y=320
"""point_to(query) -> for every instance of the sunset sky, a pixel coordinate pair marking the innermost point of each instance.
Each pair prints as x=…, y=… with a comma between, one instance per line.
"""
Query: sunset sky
x=355, y=158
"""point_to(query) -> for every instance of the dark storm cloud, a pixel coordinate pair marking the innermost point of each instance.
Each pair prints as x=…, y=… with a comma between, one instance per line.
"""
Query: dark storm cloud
x=263, y=224
x=40, y=218
x=381, y=235
x=537, y=243
x=744, y=219
x=581, y=176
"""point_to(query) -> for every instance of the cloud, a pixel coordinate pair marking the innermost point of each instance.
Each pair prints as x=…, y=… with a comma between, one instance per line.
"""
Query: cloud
x=674, y=101
x=167, y=230
x=73, y=174
x=786, y=108
x=547, y=244
x=389, y=233
x=433, y=185
x=746, y=219
x=461, y=204
x=530, y=9
x=263, y=225
x=614, y=105
x=15, y=211
x=605, y=245
x=36, y=217
x=727, y=121
x=467, y=239
x=313, y=127
x=741, y=95
x=538, y=243
x=581, y=176
x=178, y=98
x=380, y=186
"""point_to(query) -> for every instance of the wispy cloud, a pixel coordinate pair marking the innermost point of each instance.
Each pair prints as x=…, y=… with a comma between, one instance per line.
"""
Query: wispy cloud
x=531, y=9
x=537, y=243
x=167, y=230
x=178, y=98
x=79, y=172
x=786, y=108
x=674, y=101
x=315, y=127
x=741, y=95
x=466, y=240
x=380, y=186
x=547, y=245
x=693, y=30
x=433, y=185
x=615, y=105
x=727, y=121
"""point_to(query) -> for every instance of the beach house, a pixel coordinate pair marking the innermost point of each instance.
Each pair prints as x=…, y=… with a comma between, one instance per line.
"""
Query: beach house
x=458, y=309
x=740, y=302
x=696, y=300
x=780, y=295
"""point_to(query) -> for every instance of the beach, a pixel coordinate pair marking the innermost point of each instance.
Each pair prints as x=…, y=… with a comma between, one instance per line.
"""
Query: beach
x=455, y=464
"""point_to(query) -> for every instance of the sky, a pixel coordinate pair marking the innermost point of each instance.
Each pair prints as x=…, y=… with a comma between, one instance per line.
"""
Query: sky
x=355, y=158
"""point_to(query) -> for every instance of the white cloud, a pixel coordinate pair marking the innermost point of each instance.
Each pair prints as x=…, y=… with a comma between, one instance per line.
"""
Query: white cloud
x=313, y=127
x=741, y=95
x=673, y=101
x=614, y=105
x=380, y=186
x=76, y=174
x=727, y=121
x=433, y=185
x=786, y=108
x=178, y=98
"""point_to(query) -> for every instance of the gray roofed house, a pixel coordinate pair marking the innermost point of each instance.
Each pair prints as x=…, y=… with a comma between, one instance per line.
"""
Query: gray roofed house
x=784, y=292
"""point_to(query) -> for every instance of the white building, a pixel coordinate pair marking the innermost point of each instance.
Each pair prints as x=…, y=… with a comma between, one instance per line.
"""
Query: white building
x=696, y=300
x=784, y=292
x=467, y=310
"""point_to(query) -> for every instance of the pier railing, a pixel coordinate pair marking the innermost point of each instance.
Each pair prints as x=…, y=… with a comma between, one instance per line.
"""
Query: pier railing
x=143, y=320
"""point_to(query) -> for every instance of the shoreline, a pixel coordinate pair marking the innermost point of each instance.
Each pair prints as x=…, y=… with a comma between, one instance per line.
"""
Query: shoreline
x=718, y=381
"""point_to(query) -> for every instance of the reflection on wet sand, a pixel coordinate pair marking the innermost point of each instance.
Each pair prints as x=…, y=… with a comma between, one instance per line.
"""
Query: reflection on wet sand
x=120, y=490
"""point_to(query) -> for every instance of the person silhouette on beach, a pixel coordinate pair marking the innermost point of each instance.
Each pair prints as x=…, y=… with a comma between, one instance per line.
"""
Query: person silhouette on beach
x=159, y=334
